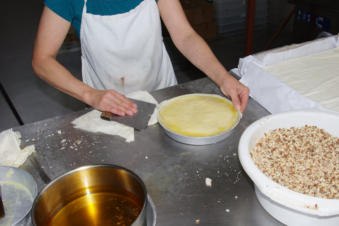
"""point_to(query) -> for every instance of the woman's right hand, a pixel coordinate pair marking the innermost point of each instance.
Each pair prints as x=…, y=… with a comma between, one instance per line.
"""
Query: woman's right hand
x=51, y=34
x=111, y=101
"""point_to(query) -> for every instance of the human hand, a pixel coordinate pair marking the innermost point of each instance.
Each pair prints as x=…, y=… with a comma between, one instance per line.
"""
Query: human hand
x=236, y=91
x=111, y=101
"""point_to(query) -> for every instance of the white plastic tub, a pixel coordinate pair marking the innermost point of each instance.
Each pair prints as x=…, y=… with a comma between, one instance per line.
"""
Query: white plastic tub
x=287, y=206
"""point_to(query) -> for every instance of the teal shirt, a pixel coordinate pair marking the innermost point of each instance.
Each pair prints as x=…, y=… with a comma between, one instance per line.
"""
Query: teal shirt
x=71, y=10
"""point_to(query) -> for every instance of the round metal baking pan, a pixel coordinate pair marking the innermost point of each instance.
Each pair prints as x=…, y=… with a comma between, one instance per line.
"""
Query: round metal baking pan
x=196, y=140
x=19, y=189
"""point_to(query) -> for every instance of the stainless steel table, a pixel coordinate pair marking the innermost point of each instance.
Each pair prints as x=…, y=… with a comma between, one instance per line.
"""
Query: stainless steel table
x=174, y=173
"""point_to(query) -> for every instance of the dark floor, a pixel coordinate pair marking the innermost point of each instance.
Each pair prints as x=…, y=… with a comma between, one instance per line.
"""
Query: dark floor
x=34, y=100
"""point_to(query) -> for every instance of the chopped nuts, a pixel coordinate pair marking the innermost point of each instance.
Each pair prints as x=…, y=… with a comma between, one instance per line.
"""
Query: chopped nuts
x=304, y=159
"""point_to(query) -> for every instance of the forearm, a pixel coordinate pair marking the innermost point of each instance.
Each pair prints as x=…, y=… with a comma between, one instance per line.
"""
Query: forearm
x=51, y=34
x=199, y=53
x=196, y=50
x=104, y=100
x=50, y=70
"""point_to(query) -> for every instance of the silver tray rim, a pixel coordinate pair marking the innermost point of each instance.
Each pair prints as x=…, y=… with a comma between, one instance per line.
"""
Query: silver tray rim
x=196, y=140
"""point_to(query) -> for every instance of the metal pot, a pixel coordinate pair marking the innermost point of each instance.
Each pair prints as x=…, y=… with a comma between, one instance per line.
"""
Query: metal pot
x=84, y=197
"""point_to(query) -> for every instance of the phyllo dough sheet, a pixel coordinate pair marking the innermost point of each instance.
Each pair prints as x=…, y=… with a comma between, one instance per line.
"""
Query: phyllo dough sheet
x=315, y=77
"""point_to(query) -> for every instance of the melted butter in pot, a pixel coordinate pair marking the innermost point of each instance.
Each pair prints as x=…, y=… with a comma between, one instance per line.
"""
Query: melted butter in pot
x=97, y=208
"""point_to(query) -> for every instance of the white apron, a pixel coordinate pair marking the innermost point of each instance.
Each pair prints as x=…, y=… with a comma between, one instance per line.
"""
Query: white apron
x=128, y=46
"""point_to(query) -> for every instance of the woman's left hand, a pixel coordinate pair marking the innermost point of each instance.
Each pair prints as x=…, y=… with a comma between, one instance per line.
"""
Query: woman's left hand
x=196, y=50
x=234, y=89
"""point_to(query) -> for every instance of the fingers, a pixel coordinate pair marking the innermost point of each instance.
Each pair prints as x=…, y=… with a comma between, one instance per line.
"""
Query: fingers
x=244, y=99
x=123, y=105
x=120, y=105
x=235, y=99
x=238, y=93
x=112, y=101
x=236, y=102
x=240, y=97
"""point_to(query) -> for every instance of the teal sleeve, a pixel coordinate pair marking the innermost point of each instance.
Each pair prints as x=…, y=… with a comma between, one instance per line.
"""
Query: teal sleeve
x=61, y=7
x=104, y=7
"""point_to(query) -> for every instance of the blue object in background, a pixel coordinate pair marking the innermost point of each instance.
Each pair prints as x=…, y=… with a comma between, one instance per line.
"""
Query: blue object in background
x=304, y=16
x=320, y=22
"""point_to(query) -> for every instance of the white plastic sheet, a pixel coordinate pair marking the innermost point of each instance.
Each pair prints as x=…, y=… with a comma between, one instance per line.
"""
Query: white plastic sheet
x=270, y=92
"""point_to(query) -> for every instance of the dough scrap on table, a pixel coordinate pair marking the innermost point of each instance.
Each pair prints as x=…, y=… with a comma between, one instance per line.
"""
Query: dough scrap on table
x=10, y=151
x=92, y=122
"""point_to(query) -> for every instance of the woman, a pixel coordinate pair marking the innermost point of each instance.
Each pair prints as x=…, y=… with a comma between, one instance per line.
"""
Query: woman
x=123, y=51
